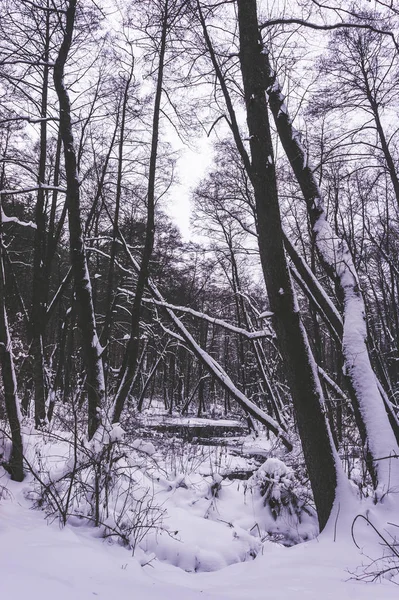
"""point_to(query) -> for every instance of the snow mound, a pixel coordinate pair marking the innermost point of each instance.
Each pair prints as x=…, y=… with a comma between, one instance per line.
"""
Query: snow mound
x=200, y=544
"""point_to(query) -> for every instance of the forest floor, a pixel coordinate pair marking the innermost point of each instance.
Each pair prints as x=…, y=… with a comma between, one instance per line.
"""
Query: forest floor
x=209, y=541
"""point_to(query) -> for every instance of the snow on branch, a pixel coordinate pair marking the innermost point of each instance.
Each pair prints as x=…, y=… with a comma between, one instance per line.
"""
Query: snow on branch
x=251, y=335
x=6, y=219
x=266, y=314
x=41, y=186
x=98, y=251
x=172, y=334
x=27, y=119
x=379, y=434
x=321, y=296
x=332, y=384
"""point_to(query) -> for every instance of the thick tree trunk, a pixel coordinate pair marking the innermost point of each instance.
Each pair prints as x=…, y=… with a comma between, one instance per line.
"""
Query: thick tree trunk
x=83, y=291
x=15, y=463
x=321, y=460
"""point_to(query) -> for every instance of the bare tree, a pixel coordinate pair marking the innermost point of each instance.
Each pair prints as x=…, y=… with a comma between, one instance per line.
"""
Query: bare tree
x=167, y=13
x=15, y=462
x=92, y=350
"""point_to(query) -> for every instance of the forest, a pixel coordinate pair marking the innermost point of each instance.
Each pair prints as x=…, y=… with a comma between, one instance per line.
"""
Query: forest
x=199, y=283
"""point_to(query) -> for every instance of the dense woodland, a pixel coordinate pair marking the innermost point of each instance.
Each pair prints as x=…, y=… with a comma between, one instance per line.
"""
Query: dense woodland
x=283, y=306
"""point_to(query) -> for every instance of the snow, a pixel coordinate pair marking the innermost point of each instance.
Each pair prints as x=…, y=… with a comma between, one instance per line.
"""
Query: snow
x=7, y=219
x=40, y=560
x=146, y=447
x=117, y=433
x=153, y=415
x=210, y=363
x=265, y=315
x=204, y=536
x=200, y=544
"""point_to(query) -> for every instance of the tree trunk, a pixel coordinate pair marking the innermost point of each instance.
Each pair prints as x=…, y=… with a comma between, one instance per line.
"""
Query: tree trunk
x=372, y=419
x=132, y=349
x=83, y=291
x=40, y=280
x=15, y=463
x=321, y=460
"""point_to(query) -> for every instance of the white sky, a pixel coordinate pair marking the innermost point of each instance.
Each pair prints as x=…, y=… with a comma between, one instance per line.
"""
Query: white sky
x=192, y=166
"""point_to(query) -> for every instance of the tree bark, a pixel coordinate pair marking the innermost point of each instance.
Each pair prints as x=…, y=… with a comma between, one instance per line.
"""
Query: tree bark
x=321, y=460
x=83, y=291
x=40, y=280
x=15, y=462
x=372, y=419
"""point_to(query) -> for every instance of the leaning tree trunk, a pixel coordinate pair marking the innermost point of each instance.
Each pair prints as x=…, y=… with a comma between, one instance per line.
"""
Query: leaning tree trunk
x=371, y=415
x=83, y=291
x=273, y=399
x=321, y=460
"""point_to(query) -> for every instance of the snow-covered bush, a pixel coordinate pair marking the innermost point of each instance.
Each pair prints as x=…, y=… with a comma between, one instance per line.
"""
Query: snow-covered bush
x=287, y=516
x=103, y=481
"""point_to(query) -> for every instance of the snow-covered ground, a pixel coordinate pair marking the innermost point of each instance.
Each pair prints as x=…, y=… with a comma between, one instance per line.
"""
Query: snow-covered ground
x=209, y=525
x=40, y=560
